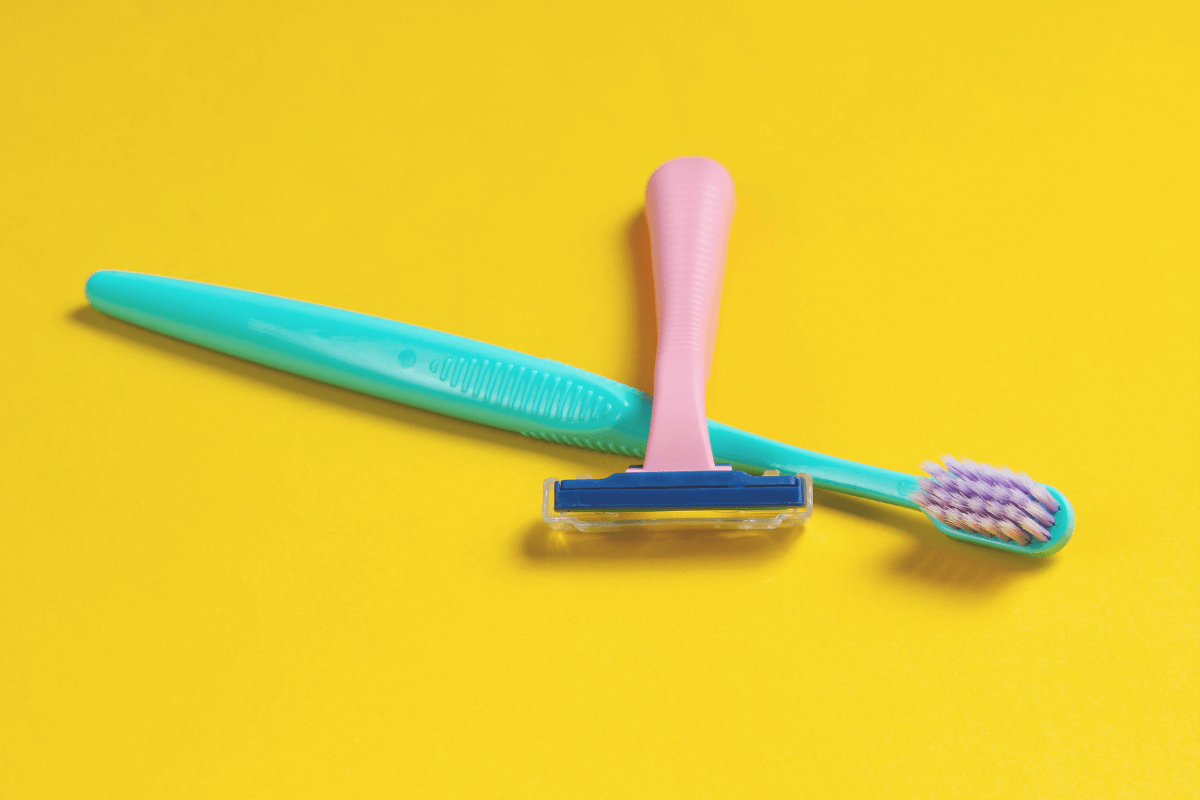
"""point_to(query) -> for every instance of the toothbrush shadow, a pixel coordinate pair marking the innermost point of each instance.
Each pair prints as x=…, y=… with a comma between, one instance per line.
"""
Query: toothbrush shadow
x=546, y=546
x=935, y=558
x=347, y=398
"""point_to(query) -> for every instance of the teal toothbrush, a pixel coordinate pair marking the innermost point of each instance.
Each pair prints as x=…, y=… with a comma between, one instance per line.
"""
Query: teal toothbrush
x=548, y=400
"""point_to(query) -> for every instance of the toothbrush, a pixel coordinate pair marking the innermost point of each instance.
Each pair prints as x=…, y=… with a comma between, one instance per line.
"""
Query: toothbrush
x=532, y=396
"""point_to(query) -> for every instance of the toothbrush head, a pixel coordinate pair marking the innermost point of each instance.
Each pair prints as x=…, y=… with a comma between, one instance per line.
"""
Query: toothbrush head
x=995, y=506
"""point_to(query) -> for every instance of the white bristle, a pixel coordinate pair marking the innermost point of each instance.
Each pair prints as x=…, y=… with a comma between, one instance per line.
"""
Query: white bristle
x=1013, y=532
x=1033, y=528
x=970, y=522
x=1043, y=496
x=990, y=526
x=981, y=524
x=1034, y=509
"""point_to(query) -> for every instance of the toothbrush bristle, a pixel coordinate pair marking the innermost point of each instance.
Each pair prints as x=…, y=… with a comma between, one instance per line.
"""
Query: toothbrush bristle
x=990, y=501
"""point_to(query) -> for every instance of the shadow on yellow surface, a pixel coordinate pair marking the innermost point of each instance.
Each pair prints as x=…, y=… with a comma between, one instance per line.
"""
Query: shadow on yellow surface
x=542, y=544
x=934, y=558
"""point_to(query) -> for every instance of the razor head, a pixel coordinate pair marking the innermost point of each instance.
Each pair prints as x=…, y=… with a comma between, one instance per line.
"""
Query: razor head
x=708, y=499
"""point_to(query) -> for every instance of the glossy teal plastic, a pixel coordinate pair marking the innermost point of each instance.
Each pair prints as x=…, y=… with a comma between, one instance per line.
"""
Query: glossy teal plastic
x=474, y=381
x=406, y=363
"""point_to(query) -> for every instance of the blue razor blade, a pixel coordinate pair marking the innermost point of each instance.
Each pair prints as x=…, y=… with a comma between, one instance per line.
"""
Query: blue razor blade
x=651, y=491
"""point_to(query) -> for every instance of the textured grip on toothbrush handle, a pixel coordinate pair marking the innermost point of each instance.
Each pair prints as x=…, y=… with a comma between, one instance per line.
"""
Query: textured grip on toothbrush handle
x=689, y=207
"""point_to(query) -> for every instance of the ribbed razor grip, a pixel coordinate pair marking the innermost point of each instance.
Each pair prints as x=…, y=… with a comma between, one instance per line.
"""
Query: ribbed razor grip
x=689, y=205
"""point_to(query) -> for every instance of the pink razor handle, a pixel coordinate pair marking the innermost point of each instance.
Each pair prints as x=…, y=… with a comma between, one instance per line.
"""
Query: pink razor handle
x=689, y=205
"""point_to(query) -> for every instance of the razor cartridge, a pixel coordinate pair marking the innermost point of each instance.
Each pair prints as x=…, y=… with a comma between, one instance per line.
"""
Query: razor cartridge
x=721, y=499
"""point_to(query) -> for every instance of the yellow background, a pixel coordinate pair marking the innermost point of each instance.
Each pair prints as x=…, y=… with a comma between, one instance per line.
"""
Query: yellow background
x=961, y=228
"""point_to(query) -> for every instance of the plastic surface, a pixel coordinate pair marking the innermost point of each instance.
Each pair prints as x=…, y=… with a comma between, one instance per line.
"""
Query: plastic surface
x=644, y=490
x=746, y=518
x=689, y=207
x=521, y=393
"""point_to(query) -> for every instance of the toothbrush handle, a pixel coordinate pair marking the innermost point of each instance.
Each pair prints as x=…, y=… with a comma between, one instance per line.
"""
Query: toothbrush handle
x=419, y=367
x=689, y=207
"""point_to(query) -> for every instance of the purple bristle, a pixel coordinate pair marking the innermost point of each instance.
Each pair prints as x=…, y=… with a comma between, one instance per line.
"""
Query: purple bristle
x=987, y=500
